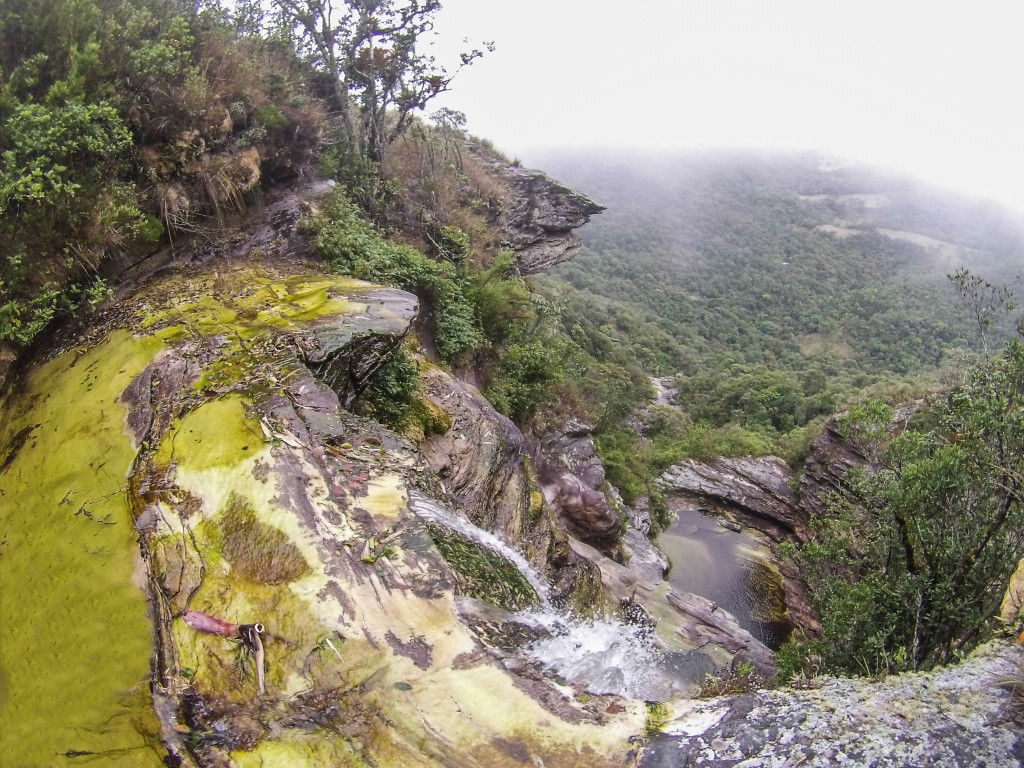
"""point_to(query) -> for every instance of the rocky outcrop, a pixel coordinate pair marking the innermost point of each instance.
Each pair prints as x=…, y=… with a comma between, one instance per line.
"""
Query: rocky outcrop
x=956, y=716
x=181, y=457
x=538, y=215
x=705, y=623
x=572, y=478
x=831, y=457
x=482, y=461
x=829, y=461
x=699, y=637
x=345, y=356
x=756, y=489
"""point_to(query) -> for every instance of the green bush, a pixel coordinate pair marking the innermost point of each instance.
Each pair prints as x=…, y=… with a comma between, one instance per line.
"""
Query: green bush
x=271, y=116
x=391, y=394
x=57, y=152
x=909, y=564
x=524, y=376
x=353, y=246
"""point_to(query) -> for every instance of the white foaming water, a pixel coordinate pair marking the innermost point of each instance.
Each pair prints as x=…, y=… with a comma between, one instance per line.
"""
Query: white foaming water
x=605, y=655
x=432, y=512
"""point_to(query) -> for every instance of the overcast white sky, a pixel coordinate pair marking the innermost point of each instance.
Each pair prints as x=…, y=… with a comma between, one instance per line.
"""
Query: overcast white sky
x=932, y=88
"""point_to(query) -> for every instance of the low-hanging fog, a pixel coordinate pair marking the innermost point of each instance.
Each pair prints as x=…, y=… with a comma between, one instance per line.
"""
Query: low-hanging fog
x=922, y=87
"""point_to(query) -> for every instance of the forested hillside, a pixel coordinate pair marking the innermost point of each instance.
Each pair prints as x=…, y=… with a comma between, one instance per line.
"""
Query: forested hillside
x=780, y=261
x=775, y=287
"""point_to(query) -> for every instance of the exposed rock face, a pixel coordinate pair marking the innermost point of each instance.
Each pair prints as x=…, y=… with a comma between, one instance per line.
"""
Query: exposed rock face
x=186, y=424
x=539, y=215
x=346, y=356
x=956, y=716
x=483, y=461
x=756, y=488
x=830, y=459
x=573, y=480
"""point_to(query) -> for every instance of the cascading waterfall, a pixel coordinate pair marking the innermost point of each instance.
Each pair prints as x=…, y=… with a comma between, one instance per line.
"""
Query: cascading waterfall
x=430, y=511
x=603, y=654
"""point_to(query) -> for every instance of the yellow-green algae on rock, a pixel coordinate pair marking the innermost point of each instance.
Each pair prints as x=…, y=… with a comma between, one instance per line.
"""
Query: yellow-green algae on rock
x=428, y=710
x=249, y=517
x=75, y=640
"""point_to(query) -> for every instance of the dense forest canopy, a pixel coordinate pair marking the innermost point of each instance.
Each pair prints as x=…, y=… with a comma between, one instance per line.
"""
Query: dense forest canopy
x=780, y=261
x=775, y=289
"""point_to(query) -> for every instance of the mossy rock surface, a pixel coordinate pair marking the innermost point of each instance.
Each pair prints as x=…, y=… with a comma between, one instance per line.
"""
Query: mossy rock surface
x=483, y=574
x=190, y=429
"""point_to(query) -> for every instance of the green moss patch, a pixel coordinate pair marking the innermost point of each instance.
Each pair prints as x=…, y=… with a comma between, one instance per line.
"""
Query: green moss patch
x=481, y=573
x=75, y=642
x=217, y=434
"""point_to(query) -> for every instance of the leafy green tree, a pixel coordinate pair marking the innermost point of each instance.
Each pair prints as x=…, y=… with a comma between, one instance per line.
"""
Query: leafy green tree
x=910, y=564
x=372, y=51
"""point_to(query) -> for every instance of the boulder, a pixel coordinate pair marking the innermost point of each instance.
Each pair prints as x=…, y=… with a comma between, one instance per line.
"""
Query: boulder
x=573, y=481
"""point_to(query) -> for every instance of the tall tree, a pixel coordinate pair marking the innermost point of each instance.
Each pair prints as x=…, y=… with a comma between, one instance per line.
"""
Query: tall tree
x=374, y=51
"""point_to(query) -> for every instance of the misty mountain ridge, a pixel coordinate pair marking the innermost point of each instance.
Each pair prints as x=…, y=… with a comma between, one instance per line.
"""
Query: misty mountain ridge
x=792, y=261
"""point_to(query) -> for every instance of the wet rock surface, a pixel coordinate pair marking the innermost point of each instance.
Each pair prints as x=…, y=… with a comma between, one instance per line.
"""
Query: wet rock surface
x=957, y=716
x=706, y=623
x=481, y=459
x=573, y=481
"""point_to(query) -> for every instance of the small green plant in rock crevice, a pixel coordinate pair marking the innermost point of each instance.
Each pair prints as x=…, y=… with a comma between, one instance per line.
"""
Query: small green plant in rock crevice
x=657, y=718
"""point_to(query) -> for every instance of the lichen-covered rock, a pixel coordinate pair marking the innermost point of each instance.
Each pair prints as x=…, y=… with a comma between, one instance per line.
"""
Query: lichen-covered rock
x=956, y=716
x=187, y=426
x=538, y=215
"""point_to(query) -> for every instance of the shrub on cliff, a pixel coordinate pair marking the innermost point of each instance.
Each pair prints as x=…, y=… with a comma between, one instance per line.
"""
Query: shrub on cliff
x=909, y=566
x=353, y=246
x=116, y=112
